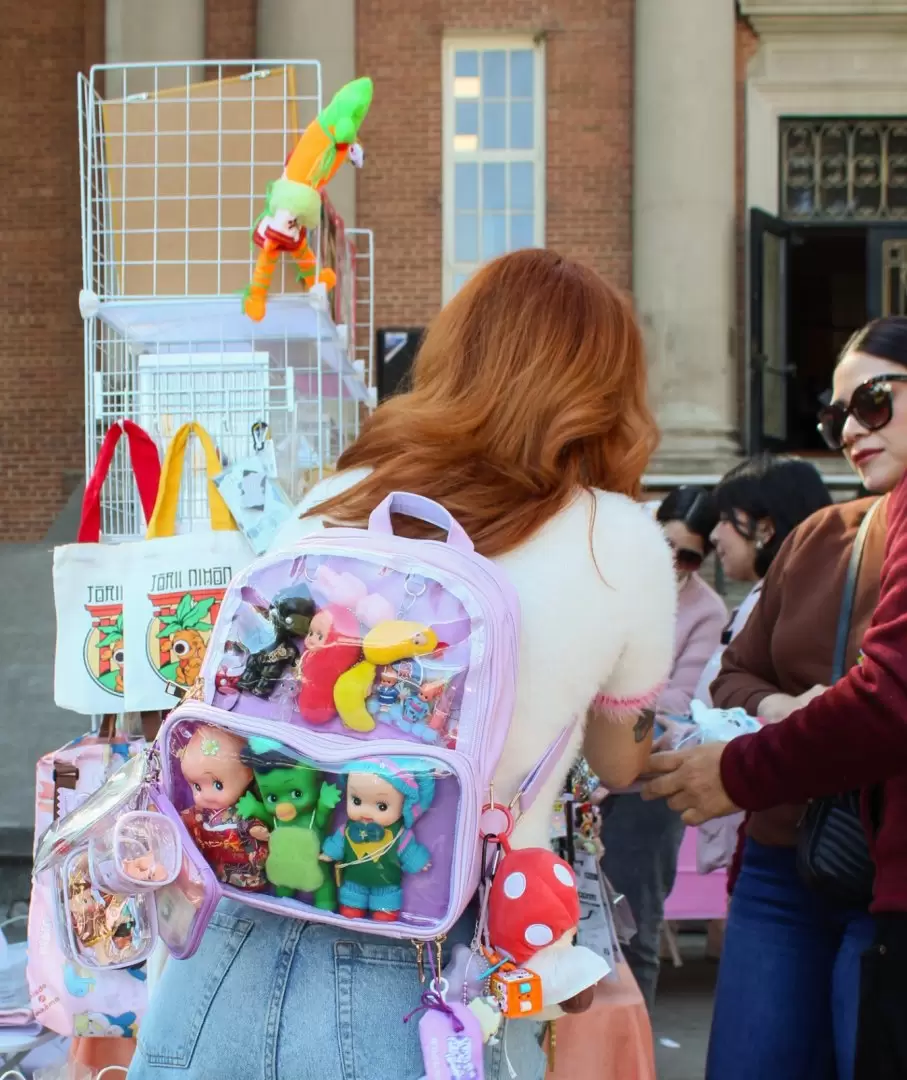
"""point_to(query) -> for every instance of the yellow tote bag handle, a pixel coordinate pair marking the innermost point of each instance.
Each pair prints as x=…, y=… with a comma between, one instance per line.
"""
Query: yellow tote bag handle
x=163, y=520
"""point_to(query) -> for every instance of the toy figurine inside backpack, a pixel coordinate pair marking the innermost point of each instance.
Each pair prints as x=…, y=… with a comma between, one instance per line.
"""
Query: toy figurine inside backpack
x=335, y=762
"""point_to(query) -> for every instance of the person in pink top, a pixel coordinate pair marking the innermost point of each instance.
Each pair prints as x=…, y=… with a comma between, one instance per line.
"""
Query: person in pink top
x=642, y=840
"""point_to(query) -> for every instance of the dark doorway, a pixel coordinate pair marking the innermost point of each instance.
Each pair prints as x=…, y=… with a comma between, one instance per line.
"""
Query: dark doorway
x=827, y=304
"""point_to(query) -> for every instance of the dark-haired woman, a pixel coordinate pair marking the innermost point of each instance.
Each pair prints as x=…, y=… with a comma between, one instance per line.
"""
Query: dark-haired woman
x=642, y=840
x=759, y=502
x=788, y=993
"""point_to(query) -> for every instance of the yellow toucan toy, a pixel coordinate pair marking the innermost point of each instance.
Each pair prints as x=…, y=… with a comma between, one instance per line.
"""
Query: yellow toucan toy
x=386, y=644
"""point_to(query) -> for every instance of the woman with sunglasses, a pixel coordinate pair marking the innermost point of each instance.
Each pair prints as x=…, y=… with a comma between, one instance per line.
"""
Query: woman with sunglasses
x=851, y=735
x=642, y=840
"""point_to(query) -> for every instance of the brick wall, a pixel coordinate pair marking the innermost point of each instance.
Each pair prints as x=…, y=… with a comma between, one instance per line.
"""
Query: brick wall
x=230, y=32
x=589, y=47
x=42, y=47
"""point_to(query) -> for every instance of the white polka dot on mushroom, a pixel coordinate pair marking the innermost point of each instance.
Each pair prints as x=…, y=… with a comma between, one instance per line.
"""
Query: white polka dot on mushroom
x=538, y=934
x=563, y=875
x=514, y=885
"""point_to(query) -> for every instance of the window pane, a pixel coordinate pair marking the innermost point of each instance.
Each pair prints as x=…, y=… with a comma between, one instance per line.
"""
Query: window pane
x=494, y=187
x=522, y=231
x=494, y=77
x=494, y=235
x=522, y=186
x=521, y=134
x=466, y=63
x=467, y=118
x=493, y=125
x=521, y=74
x=466, y=187
x=459, y=280
x=466, y=240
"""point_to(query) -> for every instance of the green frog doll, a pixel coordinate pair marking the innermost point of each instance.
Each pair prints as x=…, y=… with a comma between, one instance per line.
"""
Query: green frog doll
x=376, y=847
x=296, y=805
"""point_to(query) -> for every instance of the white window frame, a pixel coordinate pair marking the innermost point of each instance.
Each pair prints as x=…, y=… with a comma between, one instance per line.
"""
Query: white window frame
x=450, y=157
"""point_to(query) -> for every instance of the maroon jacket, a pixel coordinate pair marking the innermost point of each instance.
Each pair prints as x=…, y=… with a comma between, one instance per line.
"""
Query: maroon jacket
x=853, y=736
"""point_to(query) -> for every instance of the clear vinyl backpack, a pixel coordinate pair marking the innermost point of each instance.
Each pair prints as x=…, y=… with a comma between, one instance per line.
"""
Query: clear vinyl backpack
x=331, y=762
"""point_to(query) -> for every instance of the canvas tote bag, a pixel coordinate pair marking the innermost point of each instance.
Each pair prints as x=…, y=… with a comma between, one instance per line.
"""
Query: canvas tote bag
x=88, y=577
x=176, y=584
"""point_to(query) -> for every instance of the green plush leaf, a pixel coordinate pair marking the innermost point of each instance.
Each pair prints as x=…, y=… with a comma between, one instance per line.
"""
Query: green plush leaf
x=184, y=606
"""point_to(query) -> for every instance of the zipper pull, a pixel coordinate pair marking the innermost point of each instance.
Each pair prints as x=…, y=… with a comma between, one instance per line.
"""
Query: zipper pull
x=420, y=959
x=436, y=966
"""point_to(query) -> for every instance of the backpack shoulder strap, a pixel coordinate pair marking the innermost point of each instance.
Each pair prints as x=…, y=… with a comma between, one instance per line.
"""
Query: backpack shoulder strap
x=532, y=785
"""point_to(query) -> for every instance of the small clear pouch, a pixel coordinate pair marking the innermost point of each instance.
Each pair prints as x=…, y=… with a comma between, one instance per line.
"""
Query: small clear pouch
x=98, y=928
x=142, y=852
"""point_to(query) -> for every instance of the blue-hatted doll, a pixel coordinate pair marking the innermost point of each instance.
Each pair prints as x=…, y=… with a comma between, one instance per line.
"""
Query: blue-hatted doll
x=384, y=799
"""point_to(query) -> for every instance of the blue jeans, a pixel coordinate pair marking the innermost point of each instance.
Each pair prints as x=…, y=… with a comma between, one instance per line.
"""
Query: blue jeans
x=788, y=987
x=272, y=998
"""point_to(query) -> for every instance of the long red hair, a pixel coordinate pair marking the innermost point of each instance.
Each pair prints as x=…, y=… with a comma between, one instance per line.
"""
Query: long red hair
x=529, y=386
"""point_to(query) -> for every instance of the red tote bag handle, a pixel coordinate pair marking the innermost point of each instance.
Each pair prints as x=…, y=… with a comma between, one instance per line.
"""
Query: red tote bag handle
x=146, y=468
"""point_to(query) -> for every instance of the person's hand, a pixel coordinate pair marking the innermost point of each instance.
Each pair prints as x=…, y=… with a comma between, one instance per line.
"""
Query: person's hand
x=777, y=707
x=674, y=731
x=690, y=780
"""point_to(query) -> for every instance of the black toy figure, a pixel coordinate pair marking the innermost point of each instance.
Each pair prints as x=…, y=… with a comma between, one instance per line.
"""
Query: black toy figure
x=289, y=617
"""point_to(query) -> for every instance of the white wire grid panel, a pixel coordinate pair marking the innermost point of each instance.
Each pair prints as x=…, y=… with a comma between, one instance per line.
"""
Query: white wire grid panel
x=362, y=295
x=173, y=179
x=309, y=393
x=163, y=343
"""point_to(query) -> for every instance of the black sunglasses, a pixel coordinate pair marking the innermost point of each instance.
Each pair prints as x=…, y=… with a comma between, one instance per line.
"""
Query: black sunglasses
x=686, y=559
x=871, y=405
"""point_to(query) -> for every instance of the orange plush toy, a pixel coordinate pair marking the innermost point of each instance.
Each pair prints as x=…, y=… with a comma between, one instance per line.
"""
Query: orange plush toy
x=294, y=201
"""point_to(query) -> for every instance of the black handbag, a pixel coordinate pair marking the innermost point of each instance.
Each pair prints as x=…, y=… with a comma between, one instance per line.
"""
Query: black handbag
x=832, y=849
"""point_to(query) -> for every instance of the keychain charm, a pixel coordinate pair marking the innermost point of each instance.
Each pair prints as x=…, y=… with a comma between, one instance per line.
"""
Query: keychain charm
x=450, y=1035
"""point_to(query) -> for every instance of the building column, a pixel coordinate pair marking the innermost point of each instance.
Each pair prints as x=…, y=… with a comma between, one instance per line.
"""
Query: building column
x=138, y=31
x=684, y=225
x=291, y=29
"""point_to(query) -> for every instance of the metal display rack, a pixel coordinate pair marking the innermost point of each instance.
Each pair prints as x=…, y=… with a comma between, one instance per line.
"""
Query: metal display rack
x=172, y=180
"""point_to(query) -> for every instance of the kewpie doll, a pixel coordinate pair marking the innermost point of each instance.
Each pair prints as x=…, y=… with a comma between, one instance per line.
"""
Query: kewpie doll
x=384, y=798
x=332, y=646
x=235, y=849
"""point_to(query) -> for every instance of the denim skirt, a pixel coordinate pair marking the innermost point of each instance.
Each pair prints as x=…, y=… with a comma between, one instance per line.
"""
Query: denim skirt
x=272, y=998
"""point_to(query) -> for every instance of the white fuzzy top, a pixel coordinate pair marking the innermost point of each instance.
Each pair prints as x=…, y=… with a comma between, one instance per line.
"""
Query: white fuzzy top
x=585, y=636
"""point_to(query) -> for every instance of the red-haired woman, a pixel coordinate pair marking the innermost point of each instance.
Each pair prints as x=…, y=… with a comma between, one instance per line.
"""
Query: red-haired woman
x=527, y=420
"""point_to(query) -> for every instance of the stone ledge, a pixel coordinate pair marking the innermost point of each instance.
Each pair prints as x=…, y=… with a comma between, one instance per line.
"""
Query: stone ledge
x=774, y=17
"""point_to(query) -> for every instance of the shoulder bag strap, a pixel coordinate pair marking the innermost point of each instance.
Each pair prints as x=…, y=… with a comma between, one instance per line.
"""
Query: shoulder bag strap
x=847, y=598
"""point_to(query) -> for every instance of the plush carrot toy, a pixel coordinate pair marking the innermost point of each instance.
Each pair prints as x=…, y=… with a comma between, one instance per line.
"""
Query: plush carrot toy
x=294, y=201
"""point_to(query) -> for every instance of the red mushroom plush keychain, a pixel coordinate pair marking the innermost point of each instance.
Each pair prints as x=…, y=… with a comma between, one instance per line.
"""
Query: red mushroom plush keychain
x=533, y=913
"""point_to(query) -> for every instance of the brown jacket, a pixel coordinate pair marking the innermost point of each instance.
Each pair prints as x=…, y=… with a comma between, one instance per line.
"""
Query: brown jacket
x=788, y=642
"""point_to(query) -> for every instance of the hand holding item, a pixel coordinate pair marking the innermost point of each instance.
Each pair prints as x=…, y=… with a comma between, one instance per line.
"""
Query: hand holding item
x=669, y=731
x=690, y=780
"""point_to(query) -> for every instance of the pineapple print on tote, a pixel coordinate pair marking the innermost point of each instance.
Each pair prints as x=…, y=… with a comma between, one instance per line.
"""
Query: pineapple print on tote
x=104, y=643
x=179, y=631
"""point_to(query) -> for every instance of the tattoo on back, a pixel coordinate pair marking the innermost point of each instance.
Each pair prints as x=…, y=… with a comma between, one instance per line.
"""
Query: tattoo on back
x=644, y=724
